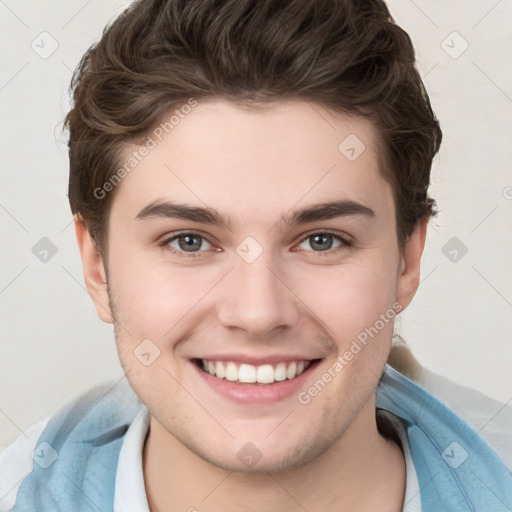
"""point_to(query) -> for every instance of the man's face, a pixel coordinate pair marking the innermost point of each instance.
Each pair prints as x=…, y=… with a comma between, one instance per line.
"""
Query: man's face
x=262, y=285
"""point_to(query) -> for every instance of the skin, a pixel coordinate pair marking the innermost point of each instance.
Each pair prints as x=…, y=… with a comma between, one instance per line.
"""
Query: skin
x=256, y=166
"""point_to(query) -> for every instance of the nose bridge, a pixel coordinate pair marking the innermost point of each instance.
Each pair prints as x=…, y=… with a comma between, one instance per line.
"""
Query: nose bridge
x=256, y=299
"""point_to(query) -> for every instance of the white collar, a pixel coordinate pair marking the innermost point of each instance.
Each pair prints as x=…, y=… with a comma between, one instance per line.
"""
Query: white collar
x=412, y=499
x=130, y=492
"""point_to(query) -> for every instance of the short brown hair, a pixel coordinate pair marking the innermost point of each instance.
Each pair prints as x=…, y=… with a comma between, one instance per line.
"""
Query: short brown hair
x=347, y=55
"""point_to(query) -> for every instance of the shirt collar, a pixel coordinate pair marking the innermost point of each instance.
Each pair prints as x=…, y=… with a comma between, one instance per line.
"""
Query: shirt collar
x=130, y=492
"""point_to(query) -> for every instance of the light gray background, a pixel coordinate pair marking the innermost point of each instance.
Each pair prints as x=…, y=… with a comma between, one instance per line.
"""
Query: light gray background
x=52, y=345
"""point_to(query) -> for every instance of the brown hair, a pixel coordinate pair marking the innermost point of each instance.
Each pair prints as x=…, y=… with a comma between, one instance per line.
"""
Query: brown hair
x=347, y=55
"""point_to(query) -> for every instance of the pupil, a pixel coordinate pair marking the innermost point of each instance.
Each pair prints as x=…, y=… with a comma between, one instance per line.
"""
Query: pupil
x=322, y=246
x=189, y=242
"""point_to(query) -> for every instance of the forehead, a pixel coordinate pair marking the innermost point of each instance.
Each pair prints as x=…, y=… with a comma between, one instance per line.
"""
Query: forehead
x=254, y=162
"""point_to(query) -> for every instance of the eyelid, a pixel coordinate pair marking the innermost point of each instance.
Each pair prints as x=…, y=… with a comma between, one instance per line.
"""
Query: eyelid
x=344, y=237
x=175, y=234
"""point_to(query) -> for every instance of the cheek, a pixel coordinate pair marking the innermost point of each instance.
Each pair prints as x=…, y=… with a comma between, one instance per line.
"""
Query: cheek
x=152, y=299
x=350, y=298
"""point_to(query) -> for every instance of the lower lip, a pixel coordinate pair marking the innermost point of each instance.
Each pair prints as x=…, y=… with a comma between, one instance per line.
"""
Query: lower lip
x=256, y=393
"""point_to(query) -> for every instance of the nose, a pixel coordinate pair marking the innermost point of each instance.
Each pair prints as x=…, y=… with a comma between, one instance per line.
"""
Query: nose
x=257, y=299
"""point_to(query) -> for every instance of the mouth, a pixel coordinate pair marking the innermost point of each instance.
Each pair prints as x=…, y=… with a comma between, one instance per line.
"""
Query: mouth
x=261, y=383
x=243, y=373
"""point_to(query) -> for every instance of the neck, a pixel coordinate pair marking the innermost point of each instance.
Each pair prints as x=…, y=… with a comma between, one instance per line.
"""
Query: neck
x=361, y=471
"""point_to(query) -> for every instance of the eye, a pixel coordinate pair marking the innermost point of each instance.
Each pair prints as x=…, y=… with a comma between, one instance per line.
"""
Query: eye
x=187, y=242
x=323, y=241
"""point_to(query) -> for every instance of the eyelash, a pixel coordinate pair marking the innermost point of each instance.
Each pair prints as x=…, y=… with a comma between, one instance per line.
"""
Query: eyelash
x=345, y=243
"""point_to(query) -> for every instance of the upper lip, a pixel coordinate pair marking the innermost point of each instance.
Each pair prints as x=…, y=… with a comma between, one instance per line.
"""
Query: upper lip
x=257, y=360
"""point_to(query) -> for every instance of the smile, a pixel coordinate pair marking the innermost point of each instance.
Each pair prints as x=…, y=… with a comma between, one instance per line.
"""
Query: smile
x=254, y=380
x=247, y=373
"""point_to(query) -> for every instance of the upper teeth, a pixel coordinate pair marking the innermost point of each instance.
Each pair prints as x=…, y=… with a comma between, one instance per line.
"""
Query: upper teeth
x=264, y=374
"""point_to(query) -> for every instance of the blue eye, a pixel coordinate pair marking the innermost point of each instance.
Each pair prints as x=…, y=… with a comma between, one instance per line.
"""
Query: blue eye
x=323, y=241
x=190, y=244
x=187, y=242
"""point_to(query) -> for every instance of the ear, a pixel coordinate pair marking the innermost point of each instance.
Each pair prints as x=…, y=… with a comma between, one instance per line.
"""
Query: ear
x=94, y=271
x=409, y=267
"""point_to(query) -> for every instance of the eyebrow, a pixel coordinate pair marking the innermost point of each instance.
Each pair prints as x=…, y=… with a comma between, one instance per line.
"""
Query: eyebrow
x=205, y=215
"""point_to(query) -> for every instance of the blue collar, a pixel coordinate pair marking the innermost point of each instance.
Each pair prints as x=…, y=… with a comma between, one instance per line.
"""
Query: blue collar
x=457, y=470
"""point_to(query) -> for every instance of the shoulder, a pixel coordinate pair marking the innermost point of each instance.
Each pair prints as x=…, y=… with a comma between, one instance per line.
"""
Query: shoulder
x=16, y=462
x=490, y=418
x=100, y=409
